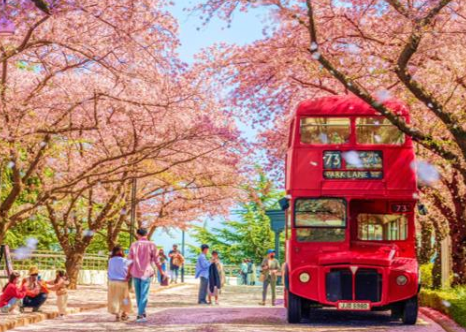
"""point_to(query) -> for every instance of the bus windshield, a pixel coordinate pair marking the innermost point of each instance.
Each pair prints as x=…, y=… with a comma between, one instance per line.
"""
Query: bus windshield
x=320, y=220
x=382, y=227
x=325, y=130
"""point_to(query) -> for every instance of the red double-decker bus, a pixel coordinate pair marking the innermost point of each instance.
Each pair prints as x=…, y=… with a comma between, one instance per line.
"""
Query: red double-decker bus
x=351, y=199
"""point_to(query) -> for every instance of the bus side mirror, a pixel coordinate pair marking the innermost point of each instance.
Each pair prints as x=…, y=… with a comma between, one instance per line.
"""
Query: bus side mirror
x=422, y=209
x=284, y=203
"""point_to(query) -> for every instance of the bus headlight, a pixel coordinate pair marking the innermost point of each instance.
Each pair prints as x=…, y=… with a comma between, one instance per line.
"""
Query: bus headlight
x=401, y=280
x=304, y=277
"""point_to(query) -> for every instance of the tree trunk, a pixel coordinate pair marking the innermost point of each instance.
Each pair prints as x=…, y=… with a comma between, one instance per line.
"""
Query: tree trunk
x=437, y=269
x=425, y=249
x=3, y=231
x=73, y=264
x=458, y=254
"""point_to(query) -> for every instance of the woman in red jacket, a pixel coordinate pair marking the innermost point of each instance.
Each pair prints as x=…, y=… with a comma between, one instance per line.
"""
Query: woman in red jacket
x=12, y=294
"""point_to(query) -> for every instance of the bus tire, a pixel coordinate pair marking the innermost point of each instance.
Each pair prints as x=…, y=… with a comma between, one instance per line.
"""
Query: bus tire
x=410, y=310
x=397, y=310
x=294, y=308
x=305, y=309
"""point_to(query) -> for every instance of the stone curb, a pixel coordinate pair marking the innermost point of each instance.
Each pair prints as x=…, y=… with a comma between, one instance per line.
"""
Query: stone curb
x=441, y=319
x=32, y=318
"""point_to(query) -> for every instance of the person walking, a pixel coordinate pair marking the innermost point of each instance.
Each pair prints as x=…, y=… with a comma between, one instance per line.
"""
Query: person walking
x=176, y=262
x=202, y=272
x=163, y=262
x=270, y=271
x=253, y=275
x=244, y=272
x=249, y=275
x=59, y=285
x=118, y=298
x=143, y=254
x=216, y=278
x=36, y=290
x=12, y=294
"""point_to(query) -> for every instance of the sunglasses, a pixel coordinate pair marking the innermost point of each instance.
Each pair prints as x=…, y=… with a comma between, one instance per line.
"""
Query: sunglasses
x=34, y=275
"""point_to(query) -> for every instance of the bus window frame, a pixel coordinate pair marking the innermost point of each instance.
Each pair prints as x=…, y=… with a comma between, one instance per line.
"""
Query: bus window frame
x=296, y=135
x=351, y=127
x=409, y=232
x=345, y=203
x=384, y=145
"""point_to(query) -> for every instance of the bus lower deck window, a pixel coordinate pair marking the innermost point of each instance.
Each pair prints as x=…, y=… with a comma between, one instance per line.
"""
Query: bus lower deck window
x=382, y=227
x=378, y=130
x=320, y=219
x=325, y=130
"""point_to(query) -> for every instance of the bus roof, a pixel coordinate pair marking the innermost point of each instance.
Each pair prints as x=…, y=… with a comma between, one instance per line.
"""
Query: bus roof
x=346, y=105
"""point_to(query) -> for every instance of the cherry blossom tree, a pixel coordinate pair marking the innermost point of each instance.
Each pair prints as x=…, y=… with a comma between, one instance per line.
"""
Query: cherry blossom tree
x=372, y=49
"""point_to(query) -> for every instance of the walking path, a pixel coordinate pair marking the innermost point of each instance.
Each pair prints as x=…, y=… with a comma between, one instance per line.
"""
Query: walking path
x=174, y=310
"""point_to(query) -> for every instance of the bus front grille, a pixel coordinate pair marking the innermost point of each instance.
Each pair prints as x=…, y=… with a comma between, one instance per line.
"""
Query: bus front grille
x=339, y=285
x=368, y=285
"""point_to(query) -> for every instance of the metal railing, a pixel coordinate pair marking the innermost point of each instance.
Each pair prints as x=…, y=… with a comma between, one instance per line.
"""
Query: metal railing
x=52, y=260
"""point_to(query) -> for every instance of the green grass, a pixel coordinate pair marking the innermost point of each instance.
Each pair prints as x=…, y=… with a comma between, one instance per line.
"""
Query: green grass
x=451, y=302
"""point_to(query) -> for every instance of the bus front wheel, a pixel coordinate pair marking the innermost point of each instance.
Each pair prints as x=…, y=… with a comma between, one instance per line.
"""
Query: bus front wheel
x=294, y=313
x=410, y=309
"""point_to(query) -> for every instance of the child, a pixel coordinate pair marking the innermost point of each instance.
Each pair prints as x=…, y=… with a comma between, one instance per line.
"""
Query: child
x=59, y=286
x=12, y=294
x=119, y=302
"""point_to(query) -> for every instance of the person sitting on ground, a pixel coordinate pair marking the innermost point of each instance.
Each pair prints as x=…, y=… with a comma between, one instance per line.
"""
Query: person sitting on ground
x=36, y=290
x=119, y=301
x=11, y=294
x=59, y=285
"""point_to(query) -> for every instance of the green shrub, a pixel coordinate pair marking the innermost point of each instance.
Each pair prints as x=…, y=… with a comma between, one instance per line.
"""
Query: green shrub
x=426, y=275
x=451, y=302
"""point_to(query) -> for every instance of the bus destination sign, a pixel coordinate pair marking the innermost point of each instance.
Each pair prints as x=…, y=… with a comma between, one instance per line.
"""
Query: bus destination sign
x=371, y=175
x=369, y=165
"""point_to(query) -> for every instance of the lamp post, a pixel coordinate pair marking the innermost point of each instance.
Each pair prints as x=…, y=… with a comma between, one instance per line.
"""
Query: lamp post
x=133, y=210
x=182, y=253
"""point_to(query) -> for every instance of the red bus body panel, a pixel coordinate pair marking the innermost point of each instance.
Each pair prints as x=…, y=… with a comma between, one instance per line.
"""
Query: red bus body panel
x=304, y=179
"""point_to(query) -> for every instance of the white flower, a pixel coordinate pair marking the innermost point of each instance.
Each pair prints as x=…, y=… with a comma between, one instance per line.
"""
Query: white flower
x=352, y=158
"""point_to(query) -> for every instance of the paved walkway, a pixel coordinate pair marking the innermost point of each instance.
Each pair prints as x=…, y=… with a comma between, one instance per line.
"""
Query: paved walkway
x=174, y=310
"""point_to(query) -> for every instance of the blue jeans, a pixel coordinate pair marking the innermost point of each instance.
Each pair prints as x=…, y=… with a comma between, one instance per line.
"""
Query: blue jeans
x=34, y=302
x=159, y=276
x=142, y=289
x=9, y=305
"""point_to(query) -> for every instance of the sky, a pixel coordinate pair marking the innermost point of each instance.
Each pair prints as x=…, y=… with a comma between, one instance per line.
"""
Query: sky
x=246, y=28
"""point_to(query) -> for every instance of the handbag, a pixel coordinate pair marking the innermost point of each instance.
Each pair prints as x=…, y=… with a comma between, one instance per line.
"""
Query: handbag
x=262, y=277
x=164, y=281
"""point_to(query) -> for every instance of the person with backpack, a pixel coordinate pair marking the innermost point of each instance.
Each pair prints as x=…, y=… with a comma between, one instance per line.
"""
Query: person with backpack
x=176, y=262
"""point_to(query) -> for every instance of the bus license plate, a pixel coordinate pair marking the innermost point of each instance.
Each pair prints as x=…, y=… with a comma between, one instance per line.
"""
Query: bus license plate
x=354, y=306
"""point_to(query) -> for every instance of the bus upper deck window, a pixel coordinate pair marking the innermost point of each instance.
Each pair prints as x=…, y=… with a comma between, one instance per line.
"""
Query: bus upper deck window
x=378, y=130
x=325, y=130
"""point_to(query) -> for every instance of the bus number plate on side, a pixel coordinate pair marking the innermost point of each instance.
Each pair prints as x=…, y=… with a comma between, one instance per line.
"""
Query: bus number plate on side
x=361, y=306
